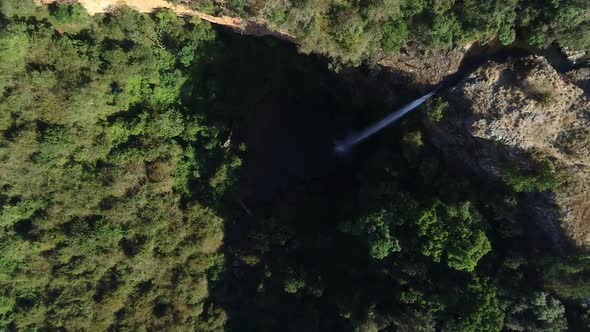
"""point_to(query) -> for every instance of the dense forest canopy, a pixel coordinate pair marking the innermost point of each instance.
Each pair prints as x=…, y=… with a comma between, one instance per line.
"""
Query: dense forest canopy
x=351, y=30
x=141, y=189
x=99, y=158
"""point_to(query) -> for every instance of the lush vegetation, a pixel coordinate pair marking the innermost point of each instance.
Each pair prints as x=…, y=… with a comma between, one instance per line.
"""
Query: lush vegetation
x=103, y=140
x=350, y=30
x=159, y=175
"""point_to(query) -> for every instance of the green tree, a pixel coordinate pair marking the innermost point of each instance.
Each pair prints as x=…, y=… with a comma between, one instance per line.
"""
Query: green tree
x=536, y=312
x=483, y=311
x=94, y=169
x=453, y=233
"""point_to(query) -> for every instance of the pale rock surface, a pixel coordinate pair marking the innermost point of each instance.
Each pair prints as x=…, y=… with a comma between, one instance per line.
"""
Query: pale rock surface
x=514, y=112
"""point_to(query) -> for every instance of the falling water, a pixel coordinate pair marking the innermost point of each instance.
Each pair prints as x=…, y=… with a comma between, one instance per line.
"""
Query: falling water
x=343, y=146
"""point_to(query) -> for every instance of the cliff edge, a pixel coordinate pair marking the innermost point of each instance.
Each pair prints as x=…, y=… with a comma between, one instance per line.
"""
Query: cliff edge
x=525, y=124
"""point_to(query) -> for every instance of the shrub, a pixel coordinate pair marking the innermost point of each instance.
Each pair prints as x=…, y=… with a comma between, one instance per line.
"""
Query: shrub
x=541, y=177
x=66, y=13
x=435, y=109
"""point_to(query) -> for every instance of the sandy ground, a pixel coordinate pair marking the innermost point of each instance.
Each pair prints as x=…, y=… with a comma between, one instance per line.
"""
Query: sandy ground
x=148, y=6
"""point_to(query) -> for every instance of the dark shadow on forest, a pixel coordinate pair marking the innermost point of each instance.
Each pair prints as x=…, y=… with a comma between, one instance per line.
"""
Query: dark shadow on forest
x=291, y=108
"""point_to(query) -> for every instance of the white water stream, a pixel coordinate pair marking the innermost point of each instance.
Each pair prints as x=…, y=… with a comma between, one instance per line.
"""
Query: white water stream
x=343, y=146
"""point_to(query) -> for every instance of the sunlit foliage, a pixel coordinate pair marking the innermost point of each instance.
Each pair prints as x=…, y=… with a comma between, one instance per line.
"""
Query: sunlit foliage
x=94, y=229
x=351, y=31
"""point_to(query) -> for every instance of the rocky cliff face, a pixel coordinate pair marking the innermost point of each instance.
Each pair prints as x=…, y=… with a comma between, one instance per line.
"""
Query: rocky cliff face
x=524, y=117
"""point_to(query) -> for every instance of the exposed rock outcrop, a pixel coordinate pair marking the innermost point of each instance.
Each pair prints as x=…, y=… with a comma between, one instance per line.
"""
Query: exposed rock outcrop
x=425, y=67
x=516, y=116
x=581, y=78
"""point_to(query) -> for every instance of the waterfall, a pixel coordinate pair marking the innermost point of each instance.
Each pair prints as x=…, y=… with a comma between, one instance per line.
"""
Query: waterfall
x=343, y=146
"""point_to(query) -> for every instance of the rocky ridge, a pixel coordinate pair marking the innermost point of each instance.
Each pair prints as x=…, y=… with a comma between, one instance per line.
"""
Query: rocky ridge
x=520, y=115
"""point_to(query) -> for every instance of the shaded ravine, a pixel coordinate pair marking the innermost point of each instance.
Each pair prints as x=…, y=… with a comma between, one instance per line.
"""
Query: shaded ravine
x=293, y=180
